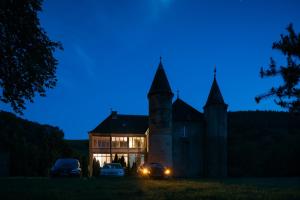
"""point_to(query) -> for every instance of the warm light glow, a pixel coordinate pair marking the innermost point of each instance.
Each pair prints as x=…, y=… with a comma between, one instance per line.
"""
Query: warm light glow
x=102, y=158
x=119, y=142
x=167, y=172
x=137, y=142
x=145, y=171
x=101, y=142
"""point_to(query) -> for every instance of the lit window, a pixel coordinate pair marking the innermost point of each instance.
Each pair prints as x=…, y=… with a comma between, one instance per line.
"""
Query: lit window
x=119, y=142
x=136, y=142
x=102, y=158
x=138, y=159
x=101, y=142
x=119, y=156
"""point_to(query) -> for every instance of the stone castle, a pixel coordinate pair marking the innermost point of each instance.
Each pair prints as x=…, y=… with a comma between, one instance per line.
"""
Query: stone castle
x=175, y=134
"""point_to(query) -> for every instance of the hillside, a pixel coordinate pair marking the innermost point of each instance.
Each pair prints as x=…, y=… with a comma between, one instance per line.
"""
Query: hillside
x=79, y=146
x=264, y=144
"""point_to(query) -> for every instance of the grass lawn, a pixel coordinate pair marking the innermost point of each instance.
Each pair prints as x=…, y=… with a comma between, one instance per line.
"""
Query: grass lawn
x=133, y=188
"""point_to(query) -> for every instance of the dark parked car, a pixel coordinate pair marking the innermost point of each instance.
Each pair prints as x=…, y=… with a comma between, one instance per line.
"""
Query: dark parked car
x=154, y=170
x=67, y=167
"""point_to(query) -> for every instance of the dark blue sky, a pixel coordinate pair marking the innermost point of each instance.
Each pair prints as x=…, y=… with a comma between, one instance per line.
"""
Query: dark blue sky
x=112, y=49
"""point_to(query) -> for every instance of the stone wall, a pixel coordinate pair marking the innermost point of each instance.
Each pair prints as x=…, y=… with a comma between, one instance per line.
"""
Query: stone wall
x=216, y=141
x=160, y=129
x=188, y=149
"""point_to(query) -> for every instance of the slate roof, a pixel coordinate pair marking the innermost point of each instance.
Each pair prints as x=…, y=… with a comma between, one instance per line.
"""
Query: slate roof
x=181, y=111
x=160, y=82
x=116, y=123
x=138, y=124
x=215, y=97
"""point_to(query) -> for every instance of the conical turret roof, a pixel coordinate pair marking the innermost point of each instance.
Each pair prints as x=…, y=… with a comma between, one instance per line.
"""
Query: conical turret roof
x=215, y=96
x=160, y=82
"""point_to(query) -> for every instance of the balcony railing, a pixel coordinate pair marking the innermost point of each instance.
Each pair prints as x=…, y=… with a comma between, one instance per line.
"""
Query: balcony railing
x=118, y=150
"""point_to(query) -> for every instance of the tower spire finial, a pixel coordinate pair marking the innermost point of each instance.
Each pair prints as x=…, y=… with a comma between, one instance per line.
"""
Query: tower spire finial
x=177, y=93
x=215, y=72
x=160, y=59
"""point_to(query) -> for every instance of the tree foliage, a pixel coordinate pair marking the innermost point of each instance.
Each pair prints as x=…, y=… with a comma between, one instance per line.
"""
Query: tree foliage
x=263, y=144
x=286, y=95
x=96, y=168
x=32, y=148
x=27, y=64
x=116, y=159
x=80, y=151
x=119, y=160
x=122, y=161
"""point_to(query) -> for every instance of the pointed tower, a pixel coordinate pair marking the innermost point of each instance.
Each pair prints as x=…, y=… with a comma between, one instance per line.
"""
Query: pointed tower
x=215, y=112
x=160, y=119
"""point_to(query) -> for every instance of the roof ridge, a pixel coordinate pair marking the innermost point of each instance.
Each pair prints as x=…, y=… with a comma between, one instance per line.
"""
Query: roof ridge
x=118, y=123
x=132, y=115
x=182, y=111
x=179, y=99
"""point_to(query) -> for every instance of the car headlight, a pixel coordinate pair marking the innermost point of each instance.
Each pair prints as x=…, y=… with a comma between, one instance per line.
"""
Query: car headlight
x=75, y=171
x=167, y=171
x=145, y=171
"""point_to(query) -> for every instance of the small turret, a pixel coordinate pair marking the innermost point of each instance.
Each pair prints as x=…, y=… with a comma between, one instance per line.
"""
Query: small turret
x=160, y=84
x=160, y=119
x=215, y=111
x=215, y=97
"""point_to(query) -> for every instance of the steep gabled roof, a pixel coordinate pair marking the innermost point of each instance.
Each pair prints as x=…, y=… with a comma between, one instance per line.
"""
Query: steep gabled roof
x=215, y=97
x=181, y=111
x=116, y=123
x=160, y=82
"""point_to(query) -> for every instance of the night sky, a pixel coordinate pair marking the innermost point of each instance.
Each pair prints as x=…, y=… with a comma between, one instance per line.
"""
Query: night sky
x=112, y=50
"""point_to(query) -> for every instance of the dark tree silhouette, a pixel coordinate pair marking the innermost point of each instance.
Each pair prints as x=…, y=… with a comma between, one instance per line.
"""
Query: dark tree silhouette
x=122, y=161
x=286, y=95
x=33, y=148
x=133, y=169
x=96, y=168
x=27, y=64
x=116, y=159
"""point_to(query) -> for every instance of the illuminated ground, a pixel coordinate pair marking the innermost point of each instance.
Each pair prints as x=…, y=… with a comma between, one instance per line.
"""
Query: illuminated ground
x=132, y=188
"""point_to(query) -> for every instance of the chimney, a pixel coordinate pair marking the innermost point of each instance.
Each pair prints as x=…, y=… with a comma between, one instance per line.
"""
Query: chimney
x=114, y=114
